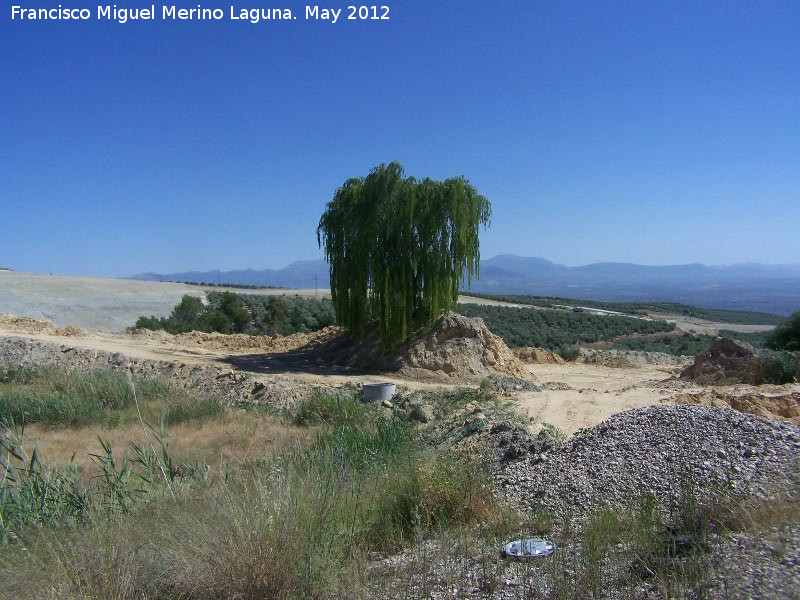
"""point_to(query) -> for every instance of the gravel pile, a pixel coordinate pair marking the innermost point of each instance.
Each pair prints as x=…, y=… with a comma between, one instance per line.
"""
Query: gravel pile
x=658, y=449
x=758, y=565
x=504, y=383
x=628, y=358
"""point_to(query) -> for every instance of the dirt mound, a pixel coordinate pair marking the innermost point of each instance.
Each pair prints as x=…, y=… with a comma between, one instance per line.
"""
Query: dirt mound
x=459, y=348
x=781, y=403
x=627, y=359
x=657, y=449
x=241, y=343
x=537, y=356
x=149, y=334
x=456, y=349
x=726, y=362
x=28, y=325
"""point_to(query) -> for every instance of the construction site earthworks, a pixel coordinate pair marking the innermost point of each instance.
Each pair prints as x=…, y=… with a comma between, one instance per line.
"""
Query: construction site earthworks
x=241, y=466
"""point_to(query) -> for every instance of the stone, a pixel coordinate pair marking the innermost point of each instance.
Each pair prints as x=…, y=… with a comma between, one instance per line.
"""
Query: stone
x=726, y=362
x=422, y=413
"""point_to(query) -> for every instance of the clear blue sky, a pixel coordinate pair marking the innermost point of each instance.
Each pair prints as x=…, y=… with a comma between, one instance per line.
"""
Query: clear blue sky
x=647, y=132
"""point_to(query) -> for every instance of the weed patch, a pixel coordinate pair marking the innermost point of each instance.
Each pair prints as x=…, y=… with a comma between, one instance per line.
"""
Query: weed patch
x=54, y=397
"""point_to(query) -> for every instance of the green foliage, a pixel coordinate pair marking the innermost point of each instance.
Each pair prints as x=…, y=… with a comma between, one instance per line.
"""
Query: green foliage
x=53, y=396
x=780, y=366
x=192, y=409
x=351, y=429
x=187, y=314
x=224, y=314
x=34, y=495
x=758, y=339
x=17, y=374
x=330, y=407
x=399, y=249
x=285, y=315
x=787, y=335
x=688, y=344
x=31, y=494
x=637, y=308
x=555, y=329
x=244, y=313
x=301, y=526
x=554, y=432
x=431, y=492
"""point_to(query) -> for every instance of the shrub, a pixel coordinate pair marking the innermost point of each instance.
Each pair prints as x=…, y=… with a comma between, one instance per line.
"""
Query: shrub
x=244, y=313
x=198, y=409
x=781, y=367
x=787, y=335
x=331, y=407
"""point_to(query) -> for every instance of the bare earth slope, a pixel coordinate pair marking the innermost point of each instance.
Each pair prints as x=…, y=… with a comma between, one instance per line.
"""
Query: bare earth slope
x=94, y=303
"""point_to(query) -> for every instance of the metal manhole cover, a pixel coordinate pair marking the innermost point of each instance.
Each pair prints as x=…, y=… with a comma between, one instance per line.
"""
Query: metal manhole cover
x=529, y=547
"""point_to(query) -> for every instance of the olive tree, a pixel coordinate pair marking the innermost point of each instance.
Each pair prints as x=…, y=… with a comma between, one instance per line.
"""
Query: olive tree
x=400, y=249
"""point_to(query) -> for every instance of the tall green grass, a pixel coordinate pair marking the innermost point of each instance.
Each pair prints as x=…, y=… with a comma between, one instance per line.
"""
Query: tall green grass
x=301, y=525
x=53, y=396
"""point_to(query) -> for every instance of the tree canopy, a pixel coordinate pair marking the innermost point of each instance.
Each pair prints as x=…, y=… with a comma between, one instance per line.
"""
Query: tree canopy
x=399, y=249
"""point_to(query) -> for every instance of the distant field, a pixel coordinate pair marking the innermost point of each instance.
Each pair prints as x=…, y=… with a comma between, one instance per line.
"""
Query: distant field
x=643, y=308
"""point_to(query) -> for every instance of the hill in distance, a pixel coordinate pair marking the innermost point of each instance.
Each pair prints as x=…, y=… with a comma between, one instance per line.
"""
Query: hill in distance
x=751, y=286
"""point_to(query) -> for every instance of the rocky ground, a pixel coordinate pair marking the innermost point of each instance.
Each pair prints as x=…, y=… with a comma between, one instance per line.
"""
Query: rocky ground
x=664, y=450
x=658, y=433
x=675, y=455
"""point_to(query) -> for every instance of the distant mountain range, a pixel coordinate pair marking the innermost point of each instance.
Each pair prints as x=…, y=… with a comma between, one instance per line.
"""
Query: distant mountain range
x=750, y=286
x=300, y=274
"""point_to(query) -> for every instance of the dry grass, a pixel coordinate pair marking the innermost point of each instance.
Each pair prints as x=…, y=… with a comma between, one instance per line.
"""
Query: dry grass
x=759, y=516
x=233, y=439
x=299, y=518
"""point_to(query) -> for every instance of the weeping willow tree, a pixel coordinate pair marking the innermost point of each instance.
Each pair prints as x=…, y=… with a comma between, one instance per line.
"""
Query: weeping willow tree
x=399, y=249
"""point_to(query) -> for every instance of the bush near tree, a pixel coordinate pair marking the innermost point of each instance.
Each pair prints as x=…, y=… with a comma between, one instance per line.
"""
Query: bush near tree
x=252, y=314
x=787, y=335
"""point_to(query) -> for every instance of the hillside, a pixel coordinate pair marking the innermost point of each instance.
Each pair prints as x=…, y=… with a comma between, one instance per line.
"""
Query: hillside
x=750, y=287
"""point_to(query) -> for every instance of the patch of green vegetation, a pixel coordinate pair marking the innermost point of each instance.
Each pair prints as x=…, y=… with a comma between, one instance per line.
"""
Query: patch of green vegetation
x=53, y=396
x=252, y=314
x=688, y=344
x=787, y=335
x=756, y=339
x=305, y=524
x=780, y=366
x=637, y=308
x=554, y=432
x=285, y=315
x=330, y=407
x=299, y=526
x=557, y=329
x=17, y=374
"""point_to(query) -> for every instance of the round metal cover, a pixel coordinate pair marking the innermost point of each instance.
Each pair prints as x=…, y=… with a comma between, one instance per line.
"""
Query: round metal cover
x=529, y=547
